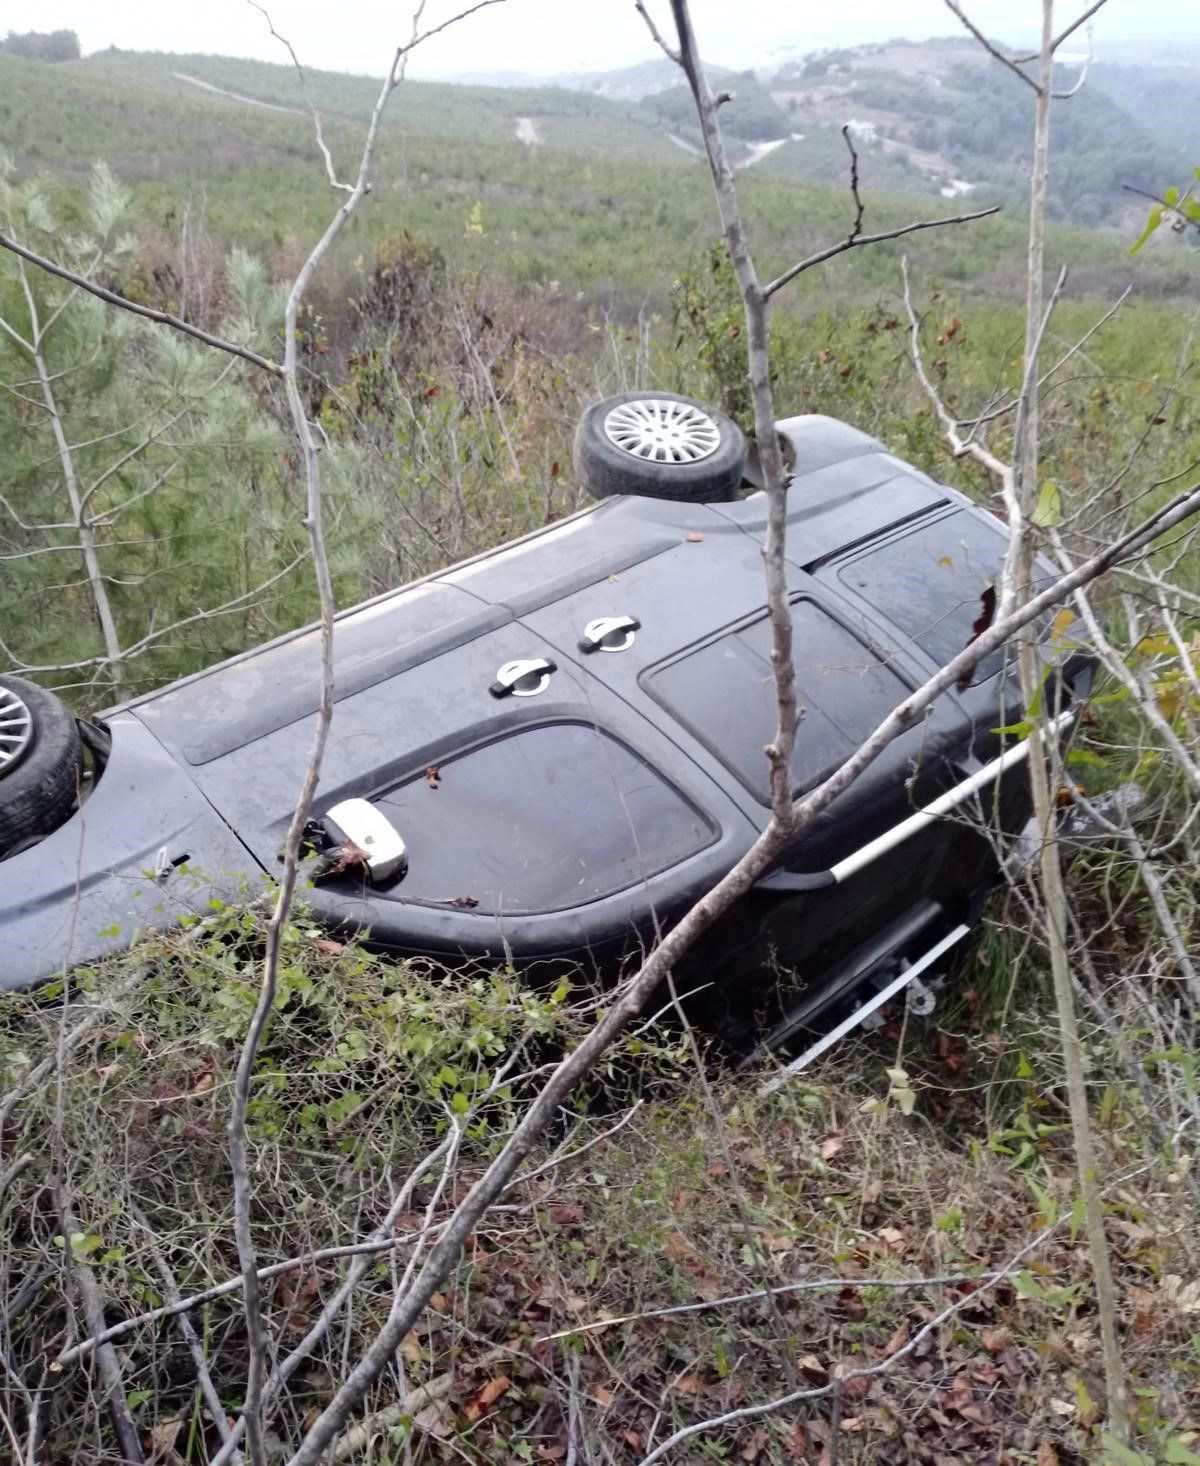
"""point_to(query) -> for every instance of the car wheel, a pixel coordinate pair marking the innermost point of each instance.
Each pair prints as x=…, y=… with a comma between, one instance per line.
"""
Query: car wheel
x=41, y=761
x=660, y=446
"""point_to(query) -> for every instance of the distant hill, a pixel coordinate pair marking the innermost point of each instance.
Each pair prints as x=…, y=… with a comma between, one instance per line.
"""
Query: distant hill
x=937, y=117
x=1163, y=97
x=942, y=109
x=624, y=84
x=569, y=188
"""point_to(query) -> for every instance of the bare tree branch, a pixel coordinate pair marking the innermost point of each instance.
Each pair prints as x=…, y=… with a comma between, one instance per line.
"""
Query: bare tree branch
x=861, y=240
x=657, y=35
x=106, y=1356
x=805, y=1285
x=956, y=9
x=87, y=538
x=779, y=751
x=330, y=171
x=1068, y=31
x=163, y=318
x=171, y=1290
x=135, y=649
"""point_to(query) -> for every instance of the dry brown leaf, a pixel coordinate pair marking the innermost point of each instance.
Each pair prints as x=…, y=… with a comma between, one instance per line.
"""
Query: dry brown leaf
x=831, y=1146
x=436, y=1419
x=679, y=1249
x=995, y=1337
x=163, y=1434
x=566, y=1214
x=603, y=1395
x=812, y=1368
x=1145, y=1309
x=854, y=1385
x=979, y=1414
x=1046, y=1454
x=328, y=946
x=633, y=1440
x=688, y=1384
x=795, y=1443
x=897, y=1341
x=1183, y=1296
x=753, y=1448
x=851, y=1304
x=487, y=1394
x=410, y=1347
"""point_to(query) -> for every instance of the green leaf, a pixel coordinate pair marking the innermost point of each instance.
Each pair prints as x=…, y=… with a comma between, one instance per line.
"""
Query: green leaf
x=1155, y=219
x=1116, y=1454
x=1179, y=1455
x=1077, y=1219
x=1028, y=1286
x=1049, y=506
x=1086, y=756
x=1171, y=196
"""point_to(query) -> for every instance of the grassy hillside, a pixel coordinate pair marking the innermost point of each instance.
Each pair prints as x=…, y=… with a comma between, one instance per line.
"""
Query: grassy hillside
x=603, y=202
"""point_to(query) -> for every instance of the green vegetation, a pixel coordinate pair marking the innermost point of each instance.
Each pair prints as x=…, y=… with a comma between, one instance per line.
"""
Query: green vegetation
x=42, y=45
x=614, y=222
x=703, y=1193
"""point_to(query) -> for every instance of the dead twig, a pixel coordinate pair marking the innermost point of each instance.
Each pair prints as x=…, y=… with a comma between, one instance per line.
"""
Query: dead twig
x=107, y=1363
x=171, y=1290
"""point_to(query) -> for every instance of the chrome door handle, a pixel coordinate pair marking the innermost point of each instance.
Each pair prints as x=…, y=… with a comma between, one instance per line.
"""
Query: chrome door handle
x=523, y=678
x=609, y=634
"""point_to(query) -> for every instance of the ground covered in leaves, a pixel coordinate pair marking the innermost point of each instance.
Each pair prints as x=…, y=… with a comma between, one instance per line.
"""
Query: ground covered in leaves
x=601, y=1308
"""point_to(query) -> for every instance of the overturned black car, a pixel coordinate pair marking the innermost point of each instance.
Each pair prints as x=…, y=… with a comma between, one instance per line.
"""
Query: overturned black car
x=549, y=751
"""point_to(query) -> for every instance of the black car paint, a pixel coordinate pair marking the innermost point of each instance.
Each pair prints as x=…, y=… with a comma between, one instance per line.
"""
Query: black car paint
x=197, y=795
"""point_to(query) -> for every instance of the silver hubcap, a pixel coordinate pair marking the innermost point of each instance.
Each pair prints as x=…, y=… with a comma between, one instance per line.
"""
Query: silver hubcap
x=16, y=729
x=662, y=430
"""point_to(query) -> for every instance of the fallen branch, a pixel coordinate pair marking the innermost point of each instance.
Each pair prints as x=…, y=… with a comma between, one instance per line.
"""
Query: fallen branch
x=370, y=1426
x=106, y=1356
x=805, y=1285
x=171, y=1289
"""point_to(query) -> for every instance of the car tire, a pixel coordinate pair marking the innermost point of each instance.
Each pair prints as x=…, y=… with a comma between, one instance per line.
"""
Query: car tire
x=659, y=446
x=41, y=763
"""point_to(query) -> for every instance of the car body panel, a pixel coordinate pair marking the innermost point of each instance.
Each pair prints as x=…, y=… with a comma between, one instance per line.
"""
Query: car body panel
x=577, y=822
x=129, y=860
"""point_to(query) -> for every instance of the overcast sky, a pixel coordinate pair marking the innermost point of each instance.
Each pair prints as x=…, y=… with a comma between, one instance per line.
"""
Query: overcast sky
x=554, y=35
